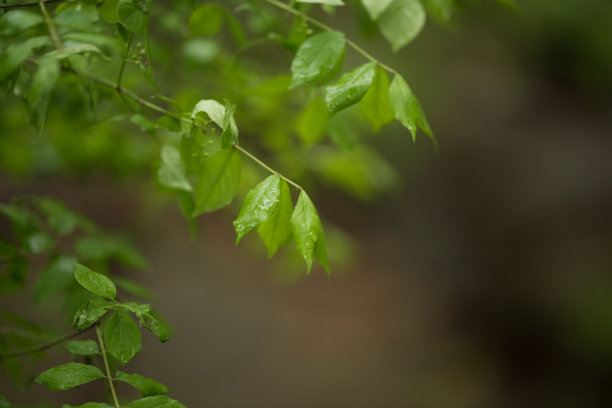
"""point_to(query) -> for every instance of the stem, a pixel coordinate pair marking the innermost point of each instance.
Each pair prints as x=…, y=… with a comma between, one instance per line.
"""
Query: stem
x=325, y=27
x=124, y=62
x=52, y=31
x=108, y=373
x=167, y=112
x=29, y=4
x=42, y=347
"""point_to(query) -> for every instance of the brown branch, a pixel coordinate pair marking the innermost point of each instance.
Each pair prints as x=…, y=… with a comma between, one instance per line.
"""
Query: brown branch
x=43, y=347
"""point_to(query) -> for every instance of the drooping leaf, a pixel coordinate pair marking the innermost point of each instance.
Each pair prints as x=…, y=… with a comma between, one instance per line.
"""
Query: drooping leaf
x=156, y=327
x=276, y=231
x=17, y=53
x=17, y=21
x=407, y=109
x=37, y=95
x=136, y=308
x=134, y=14
x=376, y=7
x=205, y=20
x=258, y=205
x=89, y=313
x=122, y=336
x=217, y=181
x=318, y=59
x=83, y=347
x=308, y=232
x=172, y=172
x=375, y=103
x=157, y=401
x=350, y=88
x=401, y=22
x=229, y=137
x=217, y=113
x=95, y=282
x=68, y=375
x=311, y=124
x=328, y=2
x=57, y=276
x=147, y=386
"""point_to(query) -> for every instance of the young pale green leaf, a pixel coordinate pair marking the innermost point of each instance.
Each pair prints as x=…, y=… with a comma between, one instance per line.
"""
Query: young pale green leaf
x=17, y=53
x=134, y=14
x=308, y=232
x=109, y=11
x=205, y=20
x=157, y=401
x=89, y=313
x=151, y=323
x=95, y=282
x=402, y=21
x=375, y=103
x=17, y=21
x=258, y=205
x=217, y=113
x=89, y=405
x=122, y=336
x=318, y=59
x=350, y=88
x=83, y=347
x=276, y=231
x=229, y=137
x=407, y=109
x=217, y=182
x=327, y=2
x=68, y=375
x=147, y=386
x=311, y=124
x=376, y=7
x=37, y=96
x=172, y=172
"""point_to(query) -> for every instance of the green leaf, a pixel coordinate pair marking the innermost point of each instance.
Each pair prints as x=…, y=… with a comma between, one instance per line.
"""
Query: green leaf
x=328, y=2
x=14, y=277
x=172, y=172
x=17, y=53
x=89, y=313
x=83, y=347
x=37, y=96
x=311, y=124
x=276, y=231
x=217, y=182
x=407, y=109
x=68, y=375
x=217, y=113
x=350, y=88
x=308, y=232
x=134, y=14
x=57, y=276
x=147, y=386
x=4, y=403
x=205, y=20
x=109, y=11
x=375, y=103
x=95, y=282
x=17, y=21
x=318, y=59
x=376, y=7
x=39, y=242
x=158, y=401
x=122, y=336
x=136, y=308
x=152, y=324
x=441, y=10
x=229, y=137
x=133, y=288
x=61, y=219
x=89, y=405
x=259, y=204
x=402, y=21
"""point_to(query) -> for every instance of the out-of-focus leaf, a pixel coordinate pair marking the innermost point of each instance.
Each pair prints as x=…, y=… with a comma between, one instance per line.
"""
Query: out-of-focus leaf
x=205, y=20
x=68, y=376
x=328, y=2
x=57, y=276
x=89, y=405
x=133, y=288
x=109, y=11
x=19, y=52
x=312, y=122
x=401, y=22
x=158, y=401
x=83, y=347
x=217, y=181
x=14, y=276
x=17, y=21
x=134, y=14
x=37, y=95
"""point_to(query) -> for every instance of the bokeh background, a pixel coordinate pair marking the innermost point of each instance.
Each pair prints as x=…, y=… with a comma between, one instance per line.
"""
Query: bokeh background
x=482, y=278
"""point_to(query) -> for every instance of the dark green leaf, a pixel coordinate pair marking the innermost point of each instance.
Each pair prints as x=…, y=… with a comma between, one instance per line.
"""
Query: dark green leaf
x=14, y=276
x=89, y=313
x=17, y=21
x=147, y=386
x=318, y=59
x=375, y=103
x=133, y=288
x=276, y=231
x=259, y=204
x=69, y=375
x=122, y=336
x=95, y=282
x=17, y=53
x=156, y=327
x=402, y=21
x=37, y=96
x=218, y=181
x=57, y=276
x=133, y=14
x=407, y=109
x=158, y=401
x=83, y=347
x=376, y=7
x=308, y=232
x=311, y=123
x=350, y=88
x=171, y=172
x=205, y=20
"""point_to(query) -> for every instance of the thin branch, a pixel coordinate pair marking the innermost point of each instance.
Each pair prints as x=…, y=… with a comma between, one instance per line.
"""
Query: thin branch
x=43, y=347
x=124, y=62
x=50, y=25
x=325, y=27
x=108, y=373
x=29, y=4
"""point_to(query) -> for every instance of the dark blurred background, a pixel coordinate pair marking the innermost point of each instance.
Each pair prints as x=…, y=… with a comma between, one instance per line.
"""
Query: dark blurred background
x=483, y=280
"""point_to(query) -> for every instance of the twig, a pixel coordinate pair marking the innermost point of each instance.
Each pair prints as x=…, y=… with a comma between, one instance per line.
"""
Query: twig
x=50, y=25
x=43, y=347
